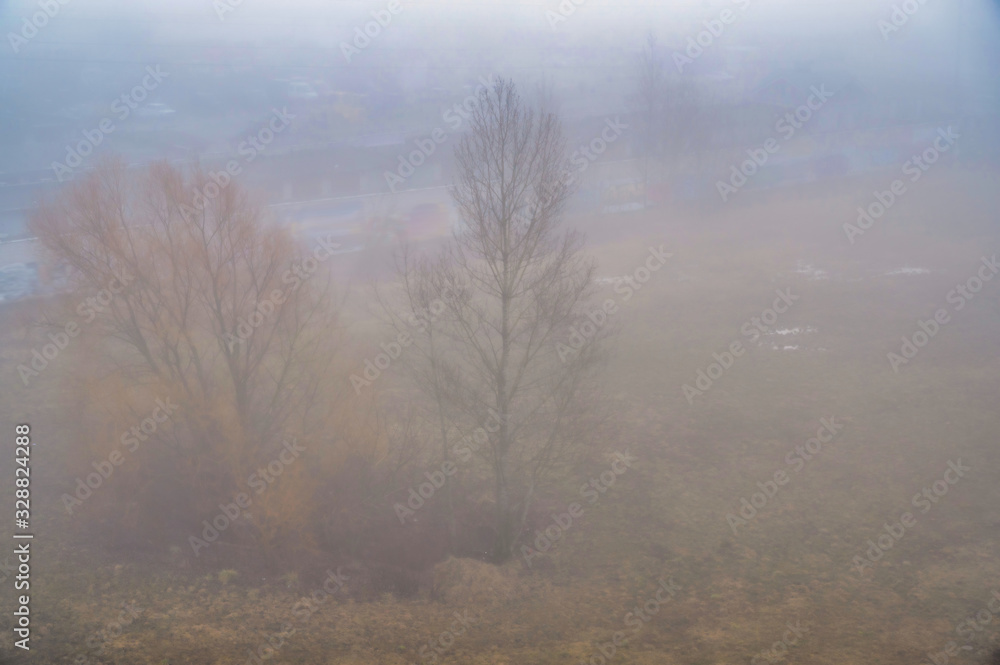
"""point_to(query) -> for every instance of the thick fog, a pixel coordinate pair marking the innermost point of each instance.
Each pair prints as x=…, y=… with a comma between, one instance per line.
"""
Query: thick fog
x=541, y=331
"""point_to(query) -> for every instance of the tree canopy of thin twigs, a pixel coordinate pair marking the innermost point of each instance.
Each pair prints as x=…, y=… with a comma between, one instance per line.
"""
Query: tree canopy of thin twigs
x=505, y=292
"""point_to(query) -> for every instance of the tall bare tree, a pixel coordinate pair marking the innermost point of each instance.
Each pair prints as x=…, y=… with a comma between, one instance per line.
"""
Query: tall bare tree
x=509, y=286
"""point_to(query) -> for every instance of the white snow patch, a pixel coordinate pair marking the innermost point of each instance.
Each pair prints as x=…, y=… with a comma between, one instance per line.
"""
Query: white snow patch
x=794, y=331
x=603, y=281
x=907, y=270
x=807, y=269
x=784, y=332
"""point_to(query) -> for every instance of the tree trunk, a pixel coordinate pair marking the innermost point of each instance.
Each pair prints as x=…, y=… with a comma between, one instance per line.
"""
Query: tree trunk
x=503, y=546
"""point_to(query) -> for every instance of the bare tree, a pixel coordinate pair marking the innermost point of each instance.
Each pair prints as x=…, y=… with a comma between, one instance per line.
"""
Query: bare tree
x=509, y=287
x=216, y=306
x=424, y=289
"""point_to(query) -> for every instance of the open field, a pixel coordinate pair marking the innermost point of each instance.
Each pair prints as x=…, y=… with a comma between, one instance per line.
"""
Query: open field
x=738, y=585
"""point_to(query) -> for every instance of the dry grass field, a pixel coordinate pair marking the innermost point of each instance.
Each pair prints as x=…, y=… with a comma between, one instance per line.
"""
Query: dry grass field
x=735, y=589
